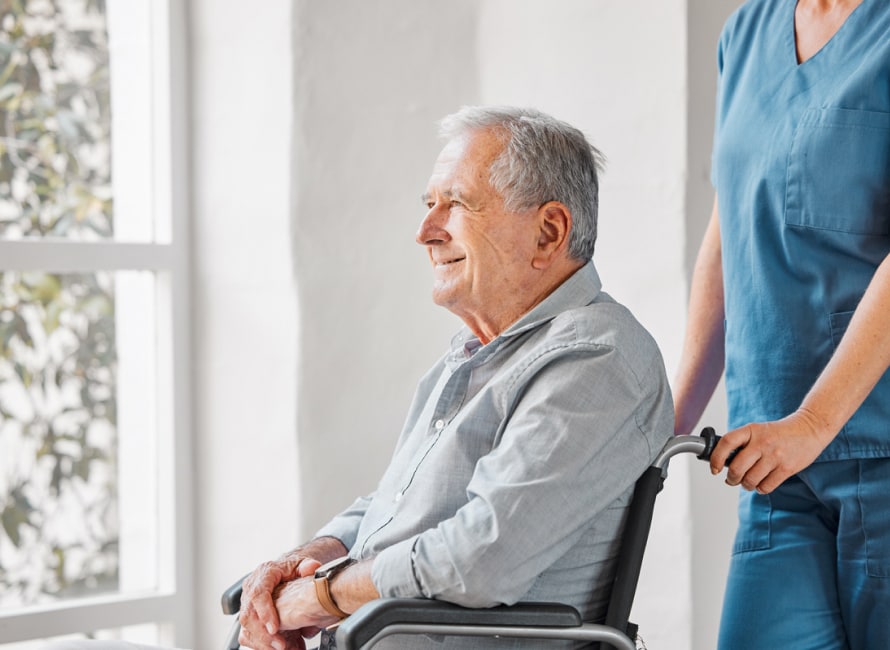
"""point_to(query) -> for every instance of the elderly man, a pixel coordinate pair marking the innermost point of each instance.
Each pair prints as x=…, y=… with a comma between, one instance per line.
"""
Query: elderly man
x=512, y=476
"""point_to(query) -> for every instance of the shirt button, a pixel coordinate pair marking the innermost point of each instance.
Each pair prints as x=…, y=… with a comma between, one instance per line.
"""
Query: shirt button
x=398, y=496
x=440, y=424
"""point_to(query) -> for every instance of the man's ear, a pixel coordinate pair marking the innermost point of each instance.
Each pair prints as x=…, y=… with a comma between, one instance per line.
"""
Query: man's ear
x=555, y=224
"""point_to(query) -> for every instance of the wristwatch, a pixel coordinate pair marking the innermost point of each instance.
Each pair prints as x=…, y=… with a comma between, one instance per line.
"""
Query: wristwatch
x=323, y=576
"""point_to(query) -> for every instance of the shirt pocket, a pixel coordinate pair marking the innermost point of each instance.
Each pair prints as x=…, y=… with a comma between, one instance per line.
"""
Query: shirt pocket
x=838, y=172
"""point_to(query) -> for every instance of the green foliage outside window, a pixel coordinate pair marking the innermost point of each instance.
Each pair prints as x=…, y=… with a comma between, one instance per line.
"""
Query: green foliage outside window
x=58, y=363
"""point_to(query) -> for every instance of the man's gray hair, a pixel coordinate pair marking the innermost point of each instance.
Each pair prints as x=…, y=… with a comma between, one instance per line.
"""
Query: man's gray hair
x=544, y=159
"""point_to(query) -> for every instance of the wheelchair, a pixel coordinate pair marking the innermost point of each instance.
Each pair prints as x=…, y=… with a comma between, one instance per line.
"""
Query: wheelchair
x=386, y=617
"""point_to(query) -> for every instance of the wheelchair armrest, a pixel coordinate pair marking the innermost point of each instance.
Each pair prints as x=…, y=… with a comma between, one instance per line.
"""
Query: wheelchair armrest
x=373, y=617
x=231, y=598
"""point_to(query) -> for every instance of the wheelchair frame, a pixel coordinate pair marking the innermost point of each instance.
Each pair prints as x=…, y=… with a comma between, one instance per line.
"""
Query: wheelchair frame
x=386, y=617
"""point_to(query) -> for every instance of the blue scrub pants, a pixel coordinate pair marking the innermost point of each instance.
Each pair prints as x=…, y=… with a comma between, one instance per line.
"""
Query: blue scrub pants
x=811, y=562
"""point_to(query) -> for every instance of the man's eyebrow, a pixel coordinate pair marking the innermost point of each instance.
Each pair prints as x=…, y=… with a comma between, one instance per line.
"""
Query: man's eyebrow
x=426, y=197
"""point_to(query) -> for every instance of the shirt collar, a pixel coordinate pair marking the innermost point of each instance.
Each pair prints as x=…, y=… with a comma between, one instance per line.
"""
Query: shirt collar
x=580, y=289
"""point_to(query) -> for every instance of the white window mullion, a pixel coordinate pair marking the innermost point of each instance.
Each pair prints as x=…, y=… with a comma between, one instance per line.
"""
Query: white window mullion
x=138, y=379
x=131, y=50
x=87, y=614
x=77, y=257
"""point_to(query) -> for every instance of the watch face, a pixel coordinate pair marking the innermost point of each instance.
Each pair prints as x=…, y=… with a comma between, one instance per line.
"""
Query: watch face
x=332, y=567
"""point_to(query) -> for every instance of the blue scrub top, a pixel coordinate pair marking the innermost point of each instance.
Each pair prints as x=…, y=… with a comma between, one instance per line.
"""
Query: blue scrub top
x=802, y=171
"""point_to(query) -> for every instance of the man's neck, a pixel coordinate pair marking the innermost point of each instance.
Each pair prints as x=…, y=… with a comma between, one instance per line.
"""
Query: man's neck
x=489, y=330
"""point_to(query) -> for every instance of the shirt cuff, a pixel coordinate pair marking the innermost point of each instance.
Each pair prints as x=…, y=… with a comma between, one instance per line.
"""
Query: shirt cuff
x=393, y=571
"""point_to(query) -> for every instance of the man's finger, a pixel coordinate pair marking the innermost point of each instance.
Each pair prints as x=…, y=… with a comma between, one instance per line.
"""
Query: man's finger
x=256, y=639
x=266, y=612
x=307, y=567
x=295, y=640
x=258, y=607
x=310, y=632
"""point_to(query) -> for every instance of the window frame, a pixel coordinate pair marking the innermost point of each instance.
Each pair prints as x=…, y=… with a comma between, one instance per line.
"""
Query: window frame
x=171, y=604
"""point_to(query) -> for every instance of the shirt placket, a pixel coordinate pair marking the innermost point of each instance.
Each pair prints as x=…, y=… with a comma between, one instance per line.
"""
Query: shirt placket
x=435, y=423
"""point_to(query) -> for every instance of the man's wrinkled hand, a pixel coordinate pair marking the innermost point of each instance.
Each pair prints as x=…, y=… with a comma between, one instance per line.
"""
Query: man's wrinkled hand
x=298, y=606
x=285, y=640
x=260, y=623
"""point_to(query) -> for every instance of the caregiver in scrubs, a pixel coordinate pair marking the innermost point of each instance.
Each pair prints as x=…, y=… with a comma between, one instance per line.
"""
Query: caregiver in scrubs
x=791, y=294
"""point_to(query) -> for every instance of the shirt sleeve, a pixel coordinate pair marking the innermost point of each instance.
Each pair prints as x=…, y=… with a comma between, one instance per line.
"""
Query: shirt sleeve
x=581, y=429
x=346, y=524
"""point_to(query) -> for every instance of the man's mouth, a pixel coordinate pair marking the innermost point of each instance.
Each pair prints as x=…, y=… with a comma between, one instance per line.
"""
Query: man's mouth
x=443, y=263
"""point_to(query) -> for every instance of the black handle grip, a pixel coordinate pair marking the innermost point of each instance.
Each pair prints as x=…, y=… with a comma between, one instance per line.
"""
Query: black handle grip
x=231, y=598
x=711, y=439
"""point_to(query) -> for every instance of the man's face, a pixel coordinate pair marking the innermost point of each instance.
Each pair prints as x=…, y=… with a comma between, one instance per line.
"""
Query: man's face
x=481, y=253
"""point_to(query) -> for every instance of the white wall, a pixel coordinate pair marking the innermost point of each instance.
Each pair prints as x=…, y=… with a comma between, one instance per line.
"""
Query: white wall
x=313, y=136
x=244, y=299
x=371, y=79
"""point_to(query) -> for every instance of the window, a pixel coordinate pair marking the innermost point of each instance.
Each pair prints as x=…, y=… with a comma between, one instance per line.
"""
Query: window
x=94, y=441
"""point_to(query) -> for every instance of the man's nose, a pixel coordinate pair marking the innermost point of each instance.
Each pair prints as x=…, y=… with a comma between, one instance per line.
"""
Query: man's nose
x=432, y=229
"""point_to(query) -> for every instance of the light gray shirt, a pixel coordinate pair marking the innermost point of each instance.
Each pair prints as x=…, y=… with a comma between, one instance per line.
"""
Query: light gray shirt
x=512, y=476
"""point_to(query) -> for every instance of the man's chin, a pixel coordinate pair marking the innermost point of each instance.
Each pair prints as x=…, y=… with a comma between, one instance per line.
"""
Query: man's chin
x=449, y=300
x=440, y=299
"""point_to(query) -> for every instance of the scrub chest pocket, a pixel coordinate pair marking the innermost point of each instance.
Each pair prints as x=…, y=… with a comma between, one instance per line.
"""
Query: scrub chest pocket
x=838, y=174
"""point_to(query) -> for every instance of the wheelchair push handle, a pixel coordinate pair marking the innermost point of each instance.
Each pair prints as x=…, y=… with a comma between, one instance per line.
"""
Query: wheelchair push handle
x=710, y=438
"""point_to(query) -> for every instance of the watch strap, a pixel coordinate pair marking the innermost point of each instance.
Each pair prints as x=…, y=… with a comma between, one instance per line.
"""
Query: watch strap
x=323, y=593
